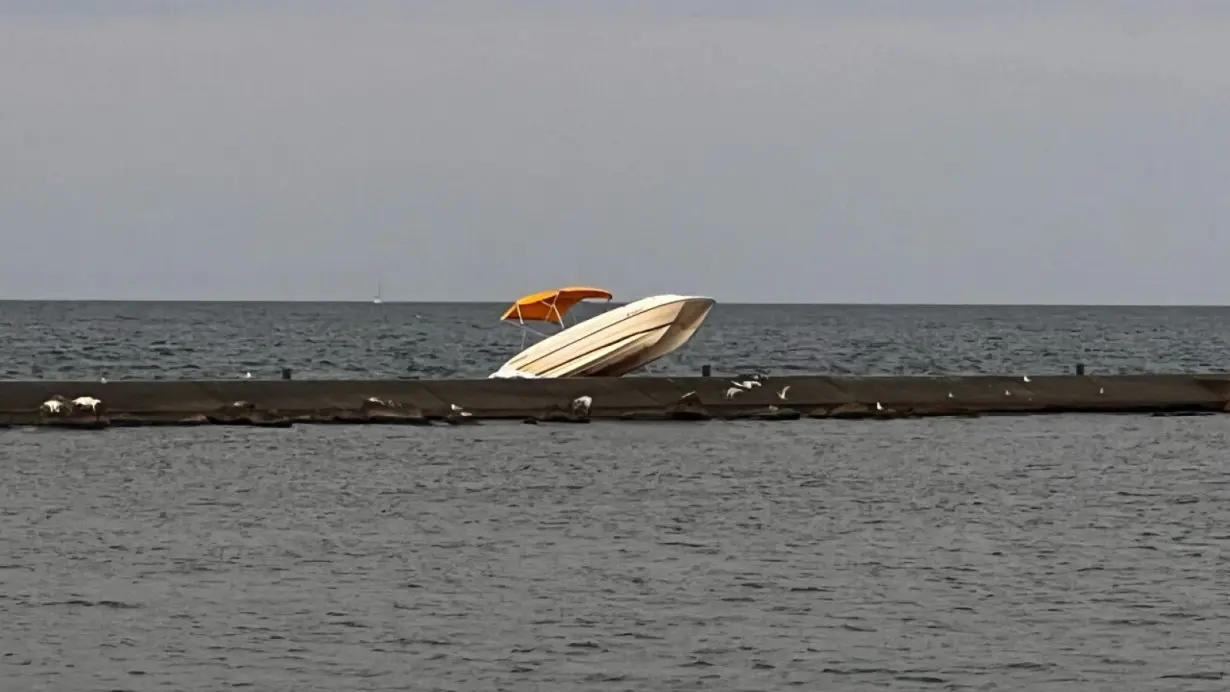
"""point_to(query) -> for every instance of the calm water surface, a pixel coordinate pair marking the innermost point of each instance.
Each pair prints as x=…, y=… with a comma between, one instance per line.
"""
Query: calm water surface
x=1060, y=553
x=348, y=340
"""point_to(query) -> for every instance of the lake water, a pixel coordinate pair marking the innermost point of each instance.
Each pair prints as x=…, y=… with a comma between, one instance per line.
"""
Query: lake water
x=1033, y=553
x=349, y=340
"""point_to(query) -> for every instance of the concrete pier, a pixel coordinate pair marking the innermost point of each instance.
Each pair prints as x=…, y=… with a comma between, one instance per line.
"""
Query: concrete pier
x=286, y=402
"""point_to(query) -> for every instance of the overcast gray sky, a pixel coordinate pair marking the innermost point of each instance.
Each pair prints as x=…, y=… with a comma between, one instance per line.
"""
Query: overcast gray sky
x=751, y=150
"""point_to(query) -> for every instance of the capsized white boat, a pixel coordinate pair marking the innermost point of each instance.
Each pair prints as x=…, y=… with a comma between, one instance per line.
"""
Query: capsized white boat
x=610, y=344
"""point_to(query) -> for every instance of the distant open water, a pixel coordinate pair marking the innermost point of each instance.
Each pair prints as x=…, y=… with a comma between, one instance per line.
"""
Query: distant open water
x=1044, y=553
x=356, y=340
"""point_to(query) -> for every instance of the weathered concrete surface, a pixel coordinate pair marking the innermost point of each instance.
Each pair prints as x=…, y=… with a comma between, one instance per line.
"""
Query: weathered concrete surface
x=282, y=402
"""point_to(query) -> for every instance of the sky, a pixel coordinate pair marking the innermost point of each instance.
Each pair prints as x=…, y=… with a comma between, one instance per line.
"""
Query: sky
x=853, y=151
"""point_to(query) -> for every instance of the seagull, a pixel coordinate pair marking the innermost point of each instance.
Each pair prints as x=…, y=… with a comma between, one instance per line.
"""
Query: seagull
x=581, y=404
x=879, y=407
x=1007, y=393
x=689, y=394
x=52, y=405
x=1025, y=378
x=458, y=410
x=730, y=393
x=379, y=402
x=950, y=395
x=247, y=376
x=86, y=402
x=782, y=394
x=102, y=380
x=747, y=384
x=240, y=404
x=1101, y=390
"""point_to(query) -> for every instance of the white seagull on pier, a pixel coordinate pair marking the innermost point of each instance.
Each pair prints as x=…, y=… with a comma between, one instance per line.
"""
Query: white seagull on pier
x=458, y=410
x=782, y=394
x=879, y=407
x=581, y=404
x=52, y=405
x=84, y=402
x=1025, y=378
x=741, y=387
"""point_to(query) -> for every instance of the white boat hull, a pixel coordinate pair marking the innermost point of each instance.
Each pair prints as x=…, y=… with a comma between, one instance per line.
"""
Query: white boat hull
x=614, y=343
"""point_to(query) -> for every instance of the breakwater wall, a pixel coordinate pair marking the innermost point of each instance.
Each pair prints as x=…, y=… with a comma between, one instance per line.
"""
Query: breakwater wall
x=285, y=402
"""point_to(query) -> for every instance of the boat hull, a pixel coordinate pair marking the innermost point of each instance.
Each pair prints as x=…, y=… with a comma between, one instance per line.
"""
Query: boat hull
x=616, y=342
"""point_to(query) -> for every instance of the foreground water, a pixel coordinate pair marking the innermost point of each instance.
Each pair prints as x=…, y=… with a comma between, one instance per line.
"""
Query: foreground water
x=348, y=340
x=1048, y=553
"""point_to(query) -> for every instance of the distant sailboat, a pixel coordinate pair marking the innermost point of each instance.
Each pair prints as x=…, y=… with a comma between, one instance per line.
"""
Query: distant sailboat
x=379, y=288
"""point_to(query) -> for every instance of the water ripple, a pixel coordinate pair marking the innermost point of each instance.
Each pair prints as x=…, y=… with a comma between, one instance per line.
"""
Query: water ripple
x=1001, y=553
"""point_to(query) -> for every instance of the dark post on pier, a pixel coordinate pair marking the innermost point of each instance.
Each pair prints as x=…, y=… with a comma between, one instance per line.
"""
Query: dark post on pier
x=1080, y=368
x=286, y=373
x=705, y=370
